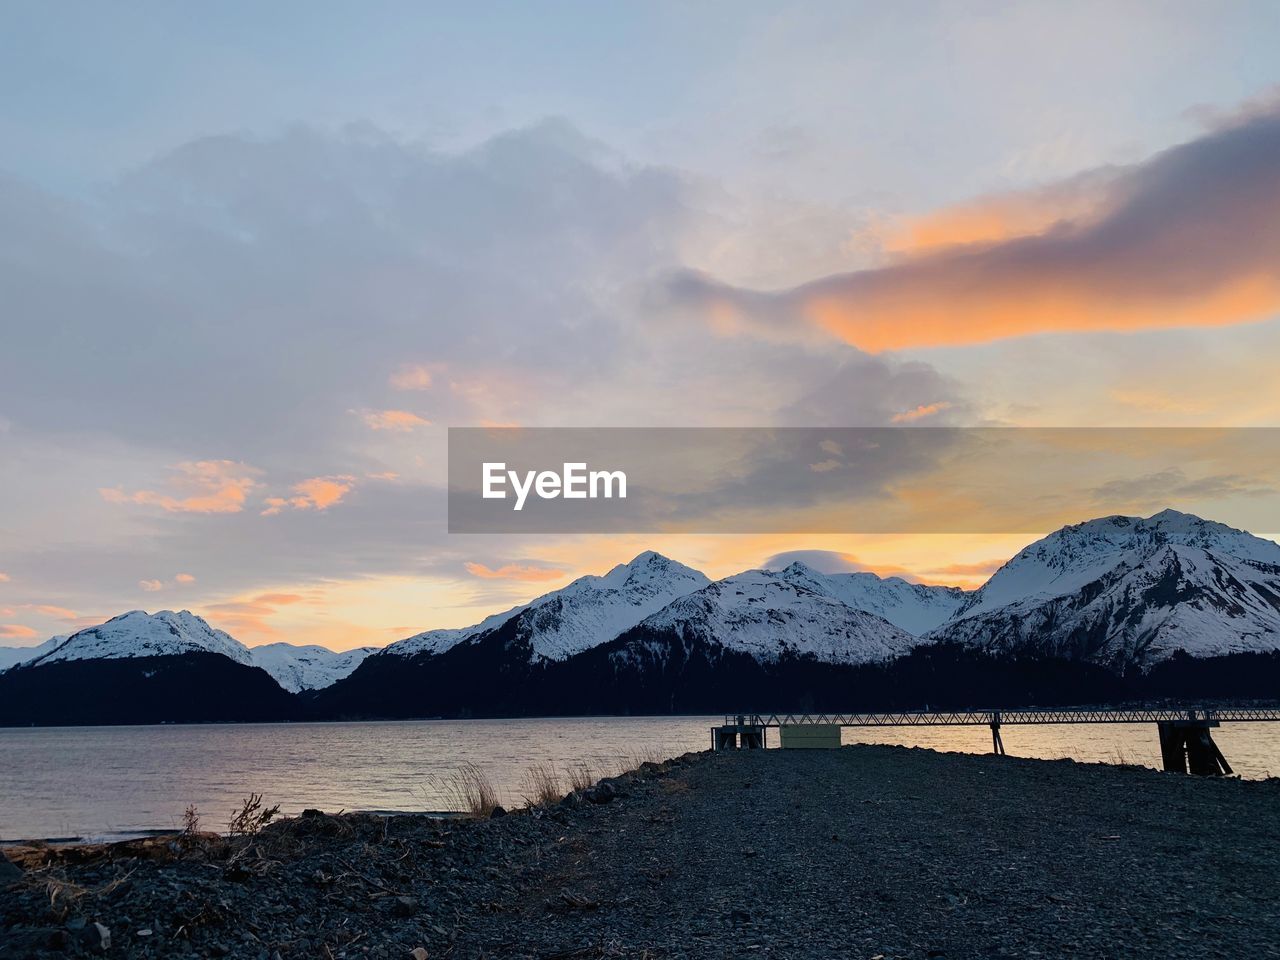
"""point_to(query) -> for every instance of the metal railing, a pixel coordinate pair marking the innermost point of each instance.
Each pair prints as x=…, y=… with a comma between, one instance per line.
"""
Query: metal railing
x=956, y=718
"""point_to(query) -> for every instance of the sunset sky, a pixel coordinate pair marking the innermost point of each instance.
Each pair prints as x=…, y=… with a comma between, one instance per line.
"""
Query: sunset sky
x=255, y=259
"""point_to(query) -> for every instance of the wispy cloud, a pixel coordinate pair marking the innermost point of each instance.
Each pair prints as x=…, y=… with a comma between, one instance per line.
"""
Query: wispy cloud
x=184, y=578
x=151, y=586
x=316, y=493
x=414, y=376
x=50, y=610
x=920, y=412
x=514, y=571
x=399, y=421
x=251, y=614
x=200, y=486
x=825, y=466
x=16, y=631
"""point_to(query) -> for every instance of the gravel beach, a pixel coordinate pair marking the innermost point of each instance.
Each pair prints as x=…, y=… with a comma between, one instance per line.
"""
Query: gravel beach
x=862, y=852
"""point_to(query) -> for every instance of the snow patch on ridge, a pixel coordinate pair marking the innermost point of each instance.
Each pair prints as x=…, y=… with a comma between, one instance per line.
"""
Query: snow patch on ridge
x=17, y=656
x=141, y=634
x=1124, y=590
x=913, y=607
x=589, y=611
x=770, y=616
x=297, y=668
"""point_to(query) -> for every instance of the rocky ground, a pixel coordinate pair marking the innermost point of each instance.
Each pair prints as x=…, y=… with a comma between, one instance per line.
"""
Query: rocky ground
x=866, y=852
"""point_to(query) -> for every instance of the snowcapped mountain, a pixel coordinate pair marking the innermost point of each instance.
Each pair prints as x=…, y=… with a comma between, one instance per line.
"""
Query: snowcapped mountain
x=1125, y=590
x=497, y=663
x=138, y=667
x=773, y=616
x=912, y=607
x=593, y=610
x=589, y=611
x=141, y=634
x=440, y=640
x=15, y=656
x=298, y=668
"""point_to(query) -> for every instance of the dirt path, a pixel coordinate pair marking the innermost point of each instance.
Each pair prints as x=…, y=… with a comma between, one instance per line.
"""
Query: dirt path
x=906, y=853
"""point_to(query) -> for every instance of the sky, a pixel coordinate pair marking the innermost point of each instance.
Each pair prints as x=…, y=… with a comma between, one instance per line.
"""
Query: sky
x=255, y=260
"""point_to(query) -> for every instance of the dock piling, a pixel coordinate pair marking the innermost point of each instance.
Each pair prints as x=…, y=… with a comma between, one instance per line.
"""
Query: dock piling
x=1186, y=746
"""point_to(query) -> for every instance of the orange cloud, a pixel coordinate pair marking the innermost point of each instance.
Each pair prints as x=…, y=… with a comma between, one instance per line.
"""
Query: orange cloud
x=58, y=613
x=200, y=486
x=280, y=599
x=4, y=578
x=920, y=412
x=1190, y=237
x=514, y=571
x=389, y=475
x=1079, y=200
x=250, y=615
x=321, y=493
x=151, y=586
x=15, y=631
x=412, y=377
x=184, y=578
x=317, y=493
x=399, y=421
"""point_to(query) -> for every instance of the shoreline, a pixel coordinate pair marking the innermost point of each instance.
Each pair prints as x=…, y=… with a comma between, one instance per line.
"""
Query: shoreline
x=155, y=773
x=763, y=853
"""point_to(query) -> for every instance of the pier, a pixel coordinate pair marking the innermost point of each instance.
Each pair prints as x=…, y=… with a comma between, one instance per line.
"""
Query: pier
x=1186, y=744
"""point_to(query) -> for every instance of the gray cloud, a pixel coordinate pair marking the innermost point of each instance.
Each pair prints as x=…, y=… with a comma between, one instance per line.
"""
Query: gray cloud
x=256, y=300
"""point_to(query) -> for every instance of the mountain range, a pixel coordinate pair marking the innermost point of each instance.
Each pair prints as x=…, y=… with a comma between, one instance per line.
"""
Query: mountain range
x=1113, y=607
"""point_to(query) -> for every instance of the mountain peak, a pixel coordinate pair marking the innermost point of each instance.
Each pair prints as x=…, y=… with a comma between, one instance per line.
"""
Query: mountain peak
x=798, y=566
x=591, y=610
x=912, y=607
x=141, y=634
x=648, y=559
x=648, y=565
x=771, y=617
x=1136, y=552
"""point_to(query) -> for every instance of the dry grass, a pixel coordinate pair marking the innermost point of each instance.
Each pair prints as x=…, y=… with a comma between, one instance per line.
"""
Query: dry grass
x=65, y=896
x=541, y=786
x=250, y=818
x=580, y=775
x=470, y=790
x=1125, y=760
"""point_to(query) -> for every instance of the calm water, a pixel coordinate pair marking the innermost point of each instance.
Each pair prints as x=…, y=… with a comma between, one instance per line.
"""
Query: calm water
x=105, y=781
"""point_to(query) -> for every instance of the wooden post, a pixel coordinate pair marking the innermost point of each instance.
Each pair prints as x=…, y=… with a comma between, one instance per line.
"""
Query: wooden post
x=1186, y=746
x=724, y=738
x=997, y=744
x=1173, y=752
